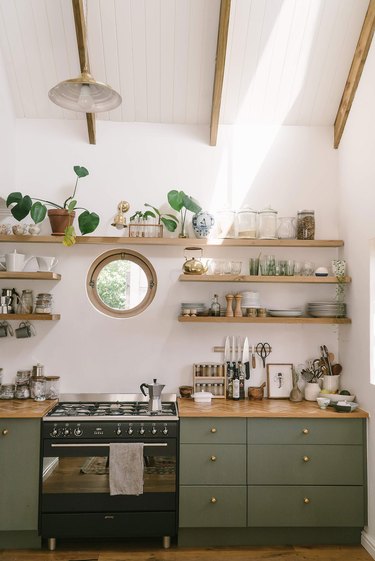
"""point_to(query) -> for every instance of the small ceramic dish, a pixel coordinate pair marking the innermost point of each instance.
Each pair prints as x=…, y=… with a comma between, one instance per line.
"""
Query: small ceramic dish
x=323, y=402
x=202, y=397
x=321, y=272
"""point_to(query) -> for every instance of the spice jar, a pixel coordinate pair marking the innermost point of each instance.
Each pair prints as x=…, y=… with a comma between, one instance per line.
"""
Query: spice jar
x=53, y=387
x=247, y=223
x=267, y=224
x=43, y=303
x=305, y=225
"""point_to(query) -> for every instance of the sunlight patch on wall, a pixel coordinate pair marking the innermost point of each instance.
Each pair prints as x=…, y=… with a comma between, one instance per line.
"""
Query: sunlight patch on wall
x=372, y=311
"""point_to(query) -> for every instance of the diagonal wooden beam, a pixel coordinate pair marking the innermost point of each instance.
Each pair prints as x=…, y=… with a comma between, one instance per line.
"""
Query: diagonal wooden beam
x=355, y=72
x=81, y=33
x=221, y=49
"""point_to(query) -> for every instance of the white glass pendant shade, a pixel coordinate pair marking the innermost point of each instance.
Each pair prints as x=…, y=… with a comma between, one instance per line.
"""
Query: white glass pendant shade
x=85, y=94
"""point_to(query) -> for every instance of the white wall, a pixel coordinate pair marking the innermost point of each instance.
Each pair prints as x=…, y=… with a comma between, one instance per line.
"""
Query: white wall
x=7, y=133
x=357, y=196
x=290, y=168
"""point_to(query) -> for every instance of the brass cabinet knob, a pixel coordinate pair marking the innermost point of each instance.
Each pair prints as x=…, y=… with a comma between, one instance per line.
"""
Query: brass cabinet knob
x=306, y=459
x=213, y=458
x=213, y=430
x=5, y=432
x=213, y=500
x=306, y=501
x=305, y=431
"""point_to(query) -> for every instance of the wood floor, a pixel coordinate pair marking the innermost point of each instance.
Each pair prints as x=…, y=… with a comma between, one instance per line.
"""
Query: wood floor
x=87, y=552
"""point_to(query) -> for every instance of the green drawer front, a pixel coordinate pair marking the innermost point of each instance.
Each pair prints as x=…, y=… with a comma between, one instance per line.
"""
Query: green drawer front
x=213, y=507
x=213, y=464
x=305, y=465
x=286, y=506
x=216, y=430
x=305, y=431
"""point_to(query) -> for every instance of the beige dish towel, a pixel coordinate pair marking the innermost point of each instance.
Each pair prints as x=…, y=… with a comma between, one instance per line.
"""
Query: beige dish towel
x=126, y=468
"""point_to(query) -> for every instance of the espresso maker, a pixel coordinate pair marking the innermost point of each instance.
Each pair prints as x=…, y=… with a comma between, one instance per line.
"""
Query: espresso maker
x=154, y=395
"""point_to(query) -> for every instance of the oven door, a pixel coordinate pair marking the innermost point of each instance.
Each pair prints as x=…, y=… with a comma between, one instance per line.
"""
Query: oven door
x=75, y=478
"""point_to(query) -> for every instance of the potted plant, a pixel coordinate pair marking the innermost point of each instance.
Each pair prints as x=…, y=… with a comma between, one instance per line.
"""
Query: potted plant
x=181, y=202
x=143, y=228
x=61, y=216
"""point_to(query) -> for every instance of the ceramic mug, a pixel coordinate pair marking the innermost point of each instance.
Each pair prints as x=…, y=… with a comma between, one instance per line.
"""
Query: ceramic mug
x=46, y=263
x=24, y=330
x=5, y=328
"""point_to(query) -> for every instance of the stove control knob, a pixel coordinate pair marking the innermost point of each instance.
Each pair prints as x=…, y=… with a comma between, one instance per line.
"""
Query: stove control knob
x=118, y=431
x=141, y=431
x=153, y=430
x=54, y=431
x=78, y=431
x=66, y=432
x=130, y=431
x=165, y=430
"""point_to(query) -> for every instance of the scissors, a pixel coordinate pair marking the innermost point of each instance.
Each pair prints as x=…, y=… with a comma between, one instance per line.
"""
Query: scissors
x=263, y=350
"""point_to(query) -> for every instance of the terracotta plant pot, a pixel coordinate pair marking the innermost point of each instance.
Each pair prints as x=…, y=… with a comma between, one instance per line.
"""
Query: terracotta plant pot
x=60, y=219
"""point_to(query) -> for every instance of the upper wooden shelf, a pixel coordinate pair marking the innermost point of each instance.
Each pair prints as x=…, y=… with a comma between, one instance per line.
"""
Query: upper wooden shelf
x=192, y=242
x=30, y=317
x=300, y=319
x=255, y=278
x=35, y=275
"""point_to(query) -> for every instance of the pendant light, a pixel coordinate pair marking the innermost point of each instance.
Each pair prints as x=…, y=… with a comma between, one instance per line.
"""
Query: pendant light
x=84, y=93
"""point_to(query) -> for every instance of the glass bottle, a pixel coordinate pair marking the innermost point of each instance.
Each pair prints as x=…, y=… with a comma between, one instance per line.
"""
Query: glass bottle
x=236, y=385
x=215, y=306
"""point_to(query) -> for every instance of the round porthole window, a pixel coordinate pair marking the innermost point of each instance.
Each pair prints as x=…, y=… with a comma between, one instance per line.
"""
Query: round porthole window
x=121, y=283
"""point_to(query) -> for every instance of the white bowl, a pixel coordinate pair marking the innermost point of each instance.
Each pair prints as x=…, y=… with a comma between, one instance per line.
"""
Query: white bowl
x=323, y=402
x=335, y=397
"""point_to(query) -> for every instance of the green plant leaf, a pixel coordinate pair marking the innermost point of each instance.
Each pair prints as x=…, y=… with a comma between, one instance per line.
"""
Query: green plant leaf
x=80, y=171
x=171, y=225
x=190, y=204
x=149, y=213
x=153, y=208
x=172, y=216
x=175, y=199
x=71, y=205
x=88, y=222
x=38, y=212
x=69, y=236
x=22, y=207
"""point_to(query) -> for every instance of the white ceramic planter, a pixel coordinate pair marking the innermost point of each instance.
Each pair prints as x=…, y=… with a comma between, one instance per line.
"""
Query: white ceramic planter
x=331, y=383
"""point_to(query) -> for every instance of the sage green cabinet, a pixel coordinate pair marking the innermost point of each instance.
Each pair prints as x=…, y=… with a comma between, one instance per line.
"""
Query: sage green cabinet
x=205, y=464
x=213, y=430
x=213, y=506
x=19, y=482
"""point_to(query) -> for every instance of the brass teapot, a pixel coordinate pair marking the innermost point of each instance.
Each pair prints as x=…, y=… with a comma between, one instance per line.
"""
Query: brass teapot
x=194, y=266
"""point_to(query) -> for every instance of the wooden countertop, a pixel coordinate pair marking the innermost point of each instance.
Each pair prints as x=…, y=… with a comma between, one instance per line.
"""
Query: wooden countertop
x=268, y=408
x=25, y=408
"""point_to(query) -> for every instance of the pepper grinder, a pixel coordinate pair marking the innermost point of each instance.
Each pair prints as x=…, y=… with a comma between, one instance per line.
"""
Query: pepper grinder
x=237, y=309
x=229, y=310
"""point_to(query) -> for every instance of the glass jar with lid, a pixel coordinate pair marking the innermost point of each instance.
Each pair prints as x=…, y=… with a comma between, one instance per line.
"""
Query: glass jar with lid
x=226, y=223
x=305, y=225
x=38, y=388
x=247, y=223
x=25, y=305
x=267, y=225
x=53, y=387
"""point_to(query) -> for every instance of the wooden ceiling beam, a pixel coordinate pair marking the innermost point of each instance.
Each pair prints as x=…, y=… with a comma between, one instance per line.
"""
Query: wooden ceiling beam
x=221, y=49
x=355, y=72
x=81, y=33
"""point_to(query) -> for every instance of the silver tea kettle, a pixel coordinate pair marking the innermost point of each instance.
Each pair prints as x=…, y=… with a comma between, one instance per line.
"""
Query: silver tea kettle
x=154, y=395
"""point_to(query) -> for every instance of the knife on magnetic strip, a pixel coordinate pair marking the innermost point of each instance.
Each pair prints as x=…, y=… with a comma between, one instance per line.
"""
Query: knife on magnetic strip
x=245, y=358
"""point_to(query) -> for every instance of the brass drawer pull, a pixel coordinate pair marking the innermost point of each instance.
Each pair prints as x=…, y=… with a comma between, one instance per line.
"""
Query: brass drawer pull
x=213, y=500
x=305, y=431
x=213, y=430
x=213, y=458
x=306, y=459
x=306, y=501
x=5, y=432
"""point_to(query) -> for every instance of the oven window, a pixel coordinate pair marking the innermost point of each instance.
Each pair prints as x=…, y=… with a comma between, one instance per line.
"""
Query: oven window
x=121, y=283
x=90, y=474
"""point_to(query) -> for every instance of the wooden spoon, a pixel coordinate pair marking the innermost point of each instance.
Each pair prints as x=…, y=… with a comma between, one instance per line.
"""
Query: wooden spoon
x=336, y=369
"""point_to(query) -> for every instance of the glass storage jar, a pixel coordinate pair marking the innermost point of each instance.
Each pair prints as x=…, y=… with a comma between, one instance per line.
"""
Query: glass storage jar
x=7, y=391
x=25, y=305
x=267, y=226
x=53, y=387
x=226, y=224
x=247, y=223
x=38, y=388
x=305, y=225
x=43, y=303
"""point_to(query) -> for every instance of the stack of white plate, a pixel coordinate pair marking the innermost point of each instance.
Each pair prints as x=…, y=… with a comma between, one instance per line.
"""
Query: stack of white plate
x=327, y=309
x=288, y=312
x=201, y=309
x=250, y=299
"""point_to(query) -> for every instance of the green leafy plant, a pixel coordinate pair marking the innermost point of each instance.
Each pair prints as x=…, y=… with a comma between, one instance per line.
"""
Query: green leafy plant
x=22, y=205
x=169, y=220
x=181, y=203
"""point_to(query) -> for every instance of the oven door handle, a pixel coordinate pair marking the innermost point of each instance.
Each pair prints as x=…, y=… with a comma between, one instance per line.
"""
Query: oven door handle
x=146, y=444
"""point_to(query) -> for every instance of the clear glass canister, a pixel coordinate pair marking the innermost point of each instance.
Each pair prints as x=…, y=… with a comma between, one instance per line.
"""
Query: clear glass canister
x=25, y=305
x=226, y=224
x=267, y=226
x=247, y=223
x=7, y=391
x=305, y=225
x=38, y=388
x=53, y=387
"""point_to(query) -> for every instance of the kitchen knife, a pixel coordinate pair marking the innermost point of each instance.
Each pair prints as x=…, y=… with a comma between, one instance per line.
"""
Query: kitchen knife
x=245, y=358
x=227, y=352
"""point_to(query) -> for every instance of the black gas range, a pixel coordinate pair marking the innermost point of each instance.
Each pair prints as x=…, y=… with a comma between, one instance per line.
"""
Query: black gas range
x=75, y=501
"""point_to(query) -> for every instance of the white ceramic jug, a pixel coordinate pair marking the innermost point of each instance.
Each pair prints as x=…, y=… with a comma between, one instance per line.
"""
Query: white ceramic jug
x=15, y=261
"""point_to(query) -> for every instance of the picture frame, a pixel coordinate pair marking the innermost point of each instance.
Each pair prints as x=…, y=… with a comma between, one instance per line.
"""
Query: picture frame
x=279, y=380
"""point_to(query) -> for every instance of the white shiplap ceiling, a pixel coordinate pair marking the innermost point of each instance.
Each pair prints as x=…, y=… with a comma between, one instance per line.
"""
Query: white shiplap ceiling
x=287, y=60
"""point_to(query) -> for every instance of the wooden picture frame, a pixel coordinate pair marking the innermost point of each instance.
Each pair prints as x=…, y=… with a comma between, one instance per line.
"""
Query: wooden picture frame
x=279, y=380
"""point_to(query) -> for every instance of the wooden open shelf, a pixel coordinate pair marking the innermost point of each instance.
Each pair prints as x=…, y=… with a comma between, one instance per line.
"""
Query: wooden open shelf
x=255, y=278
x=37, y=275
x=30, y=317
x=301, y=319
x=187, y=242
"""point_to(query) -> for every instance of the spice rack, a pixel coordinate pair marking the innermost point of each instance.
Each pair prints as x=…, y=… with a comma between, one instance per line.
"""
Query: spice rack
x=210, y=377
